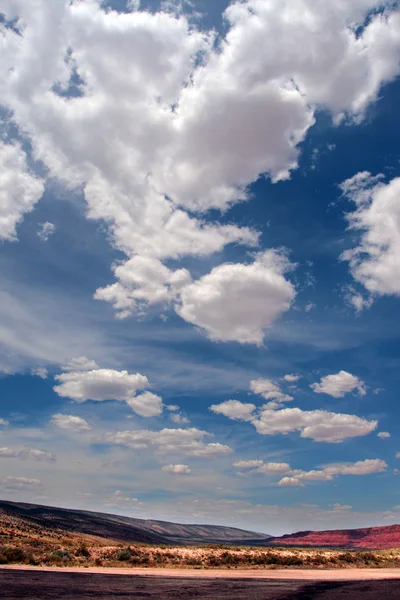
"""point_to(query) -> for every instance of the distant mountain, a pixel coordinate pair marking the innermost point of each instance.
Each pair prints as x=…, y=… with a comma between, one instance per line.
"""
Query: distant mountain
x=127, y=529
x=371, y=538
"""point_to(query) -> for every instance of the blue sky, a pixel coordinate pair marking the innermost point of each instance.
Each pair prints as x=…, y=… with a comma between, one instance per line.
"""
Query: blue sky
x=200, y=252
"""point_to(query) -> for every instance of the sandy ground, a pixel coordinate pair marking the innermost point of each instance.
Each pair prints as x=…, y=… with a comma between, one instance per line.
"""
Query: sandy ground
x=276, y=574
x=113, y=584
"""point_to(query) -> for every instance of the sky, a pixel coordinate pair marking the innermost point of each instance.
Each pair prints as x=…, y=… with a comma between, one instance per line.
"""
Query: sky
x=200, y=260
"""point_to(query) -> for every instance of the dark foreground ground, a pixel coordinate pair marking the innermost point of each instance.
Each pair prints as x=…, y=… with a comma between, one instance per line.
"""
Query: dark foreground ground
x=41, y=585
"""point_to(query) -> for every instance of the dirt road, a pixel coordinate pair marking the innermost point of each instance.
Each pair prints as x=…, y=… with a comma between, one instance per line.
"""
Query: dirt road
x=278, y=574
x=84, y=584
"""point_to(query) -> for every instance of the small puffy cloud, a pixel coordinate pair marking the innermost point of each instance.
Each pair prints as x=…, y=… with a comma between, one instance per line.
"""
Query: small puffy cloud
x=19, y=483
x=81, y=363
x=272, y=419
x=290, y=482
x=172, y=407
x=99, y=385
x=27, y=453
x=142, y=280
x=297, y=477
x=40, y=372
x=292, y=378
x=329, y=472
x=71, y=423
x=341, y=507
x=318, y=425
x=384, y=435
x=233, y=409
x=4, y=423
x=83, y=380
x=177, y=469
x=362, y=467
x=237, y=302
x=19, y=189
x=119, y=499
x=46, y=230
x=212, y=449
x=265, y=468
x=273, y=468
x=179, y=419
x=269, y=390
x=374, y=261
x=8, y=452
x=313, y=475
x=339, y=384
x=146, y=405
x=248, y=464
x=309, y=306
x=169, y=441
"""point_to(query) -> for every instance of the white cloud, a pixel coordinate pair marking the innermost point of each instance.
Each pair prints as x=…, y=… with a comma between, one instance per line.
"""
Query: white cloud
x=273, y=468
x=213, y=449
x=99, y=385
x=341, y=507
x=233, y=409
x=339, y=384
x=197, y=120
x=248, y=464
x=143, y=280
x=146, y=405
x=11, y=483
x=19, y=189
x=70, y=422
x=318, y=425
x=179, y=419
x=297, y=477
x=384, y=435
x=290, y=482
x=236, y=302
x=177, y=469
x=362, y=467
x=40, y=372
x=119, y=499
x=374, y=261
x=80, y=363
x=169, y=441
x=269, y=390
x=309, y=306
x=329, y=472
x=313, y=475
x=4, y=423
x=46, y=230
x=292, y=378
x=84, y=380
x=27, y=453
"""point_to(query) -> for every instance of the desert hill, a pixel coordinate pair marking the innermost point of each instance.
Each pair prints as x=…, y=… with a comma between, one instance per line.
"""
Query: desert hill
x=124, y=529
x=44, y=520
x=372, y=538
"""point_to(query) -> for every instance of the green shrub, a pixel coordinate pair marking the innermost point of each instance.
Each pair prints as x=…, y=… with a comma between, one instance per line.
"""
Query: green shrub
x=124, y=554
x=347, y=557
x=10, y=554
x=59, y=556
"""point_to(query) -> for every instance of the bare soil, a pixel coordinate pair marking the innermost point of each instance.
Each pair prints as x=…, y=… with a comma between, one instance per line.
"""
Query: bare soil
x=36, y=584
